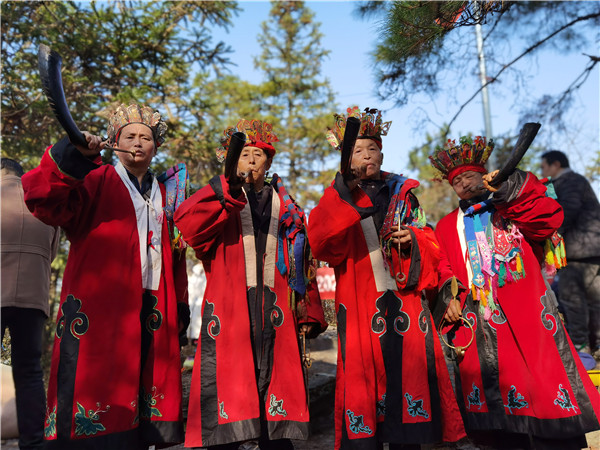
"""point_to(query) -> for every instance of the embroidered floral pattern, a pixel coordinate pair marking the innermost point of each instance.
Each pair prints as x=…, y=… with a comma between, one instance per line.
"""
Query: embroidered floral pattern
x=276, y=407
x=356, y=423
x=88, y=423
x=148, y=403
x=415, y=407
x=563, y=399
x=50, y=424
x=515, y=400
x=474, y=398
x=222, y=412
x=154, y=319
x=72, y=318
x=380, y=406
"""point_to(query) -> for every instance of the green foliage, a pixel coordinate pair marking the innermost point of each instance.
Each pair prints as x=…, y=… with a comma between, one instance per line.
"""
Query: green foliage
x=296, y=98
x=112, y=52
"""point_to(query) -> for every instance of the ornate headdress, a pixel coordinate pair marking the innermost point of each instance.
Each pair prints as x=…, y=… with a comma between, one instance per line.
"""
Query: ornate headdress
x=470, y=154
x=371, y=126
x=258, y=134
x=134, y=113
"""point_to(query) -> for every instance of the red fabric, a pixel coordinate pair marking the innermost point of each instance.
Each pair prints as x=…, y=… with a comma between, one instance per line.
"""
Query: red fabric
x=534, y=355
x=337, y=236
x=268, y=148
x=215, y=233
x=465, y=168
x=103, y=272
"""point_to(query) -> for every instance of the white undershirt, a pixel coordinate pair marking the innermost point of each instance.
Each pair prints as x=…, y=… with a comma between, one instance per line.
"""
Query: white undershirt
x=149, y=215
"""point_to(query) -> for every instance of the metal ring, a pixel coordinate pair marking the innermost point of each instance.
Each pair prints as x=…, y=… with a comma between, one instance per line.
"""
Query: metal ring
x=472, y=334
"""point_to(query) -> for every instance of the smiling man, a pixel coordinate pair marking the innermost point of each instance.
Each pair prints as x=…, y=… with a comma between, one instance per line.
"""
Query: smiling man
x=115, y=376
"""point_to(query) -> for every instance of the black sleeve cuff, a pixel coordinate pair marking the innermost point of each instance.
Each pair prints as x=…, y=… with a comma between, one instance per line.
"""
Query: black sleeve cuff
x=510, y=189
x=70, y=160
x=346, y=195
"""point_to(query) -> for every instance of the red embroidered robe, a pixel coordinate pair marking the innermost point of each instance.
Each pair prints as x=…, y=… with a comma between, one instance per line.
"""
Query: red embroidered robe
x=230, y=391
x=521, y=374
x=392, y=381
x=99, y=395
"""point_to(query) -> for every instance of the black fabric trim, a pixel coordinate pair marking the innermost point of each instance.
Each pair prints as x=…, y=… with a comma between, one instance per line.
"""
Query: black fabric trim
x=154, y=432
x=70, y=160
x=125, y=440
x=357, y=444
x=346, y=195
x=208, y=378
x=242, y=430
x=511, y=188
x=341, y=326
x=414, y=271
x=287, y=429
x=183, y=316
x=215, y=183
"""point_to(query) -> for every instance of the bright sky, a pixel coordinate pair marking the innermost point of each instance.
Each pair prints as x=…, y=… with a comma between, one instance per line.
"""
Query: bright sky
x=350, y=71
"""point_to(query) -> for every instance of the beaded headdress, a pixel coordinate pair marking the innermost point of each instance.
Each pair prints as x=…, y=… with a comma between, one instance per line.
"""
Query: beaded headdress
x=258, y=134
x=470, y=154
x=124, y=115
x=371, y=126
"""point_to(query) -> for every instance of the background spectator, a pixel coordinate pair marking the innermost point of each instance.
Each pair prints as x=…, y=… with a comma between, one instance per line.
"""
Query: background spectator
x=28, y=248
x=579, y=281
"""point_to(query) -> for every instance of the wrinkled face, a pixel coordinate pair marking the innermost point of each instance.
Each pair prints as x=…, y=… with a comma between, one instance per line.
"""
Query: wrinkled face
x=465, y=185
x=550, y=170
x=137, y=137
x=254, y=162
x=367, y=155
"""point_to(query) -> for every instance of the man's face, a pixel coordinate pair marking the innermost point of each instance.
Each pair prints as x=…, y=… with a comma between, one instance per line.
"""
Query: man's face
x=367, y=159
x=550, y=170
x=466, y=185
x=136, y=137
x=254, y=162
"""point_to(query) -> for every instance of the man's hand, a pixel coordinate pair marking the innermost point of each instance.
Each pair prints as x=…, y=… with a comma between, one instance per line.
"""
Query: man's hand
x=402, y=237
x=95, y=144
x=453, y=313
x=306, y=329
x=487, y=178
x=352, y=179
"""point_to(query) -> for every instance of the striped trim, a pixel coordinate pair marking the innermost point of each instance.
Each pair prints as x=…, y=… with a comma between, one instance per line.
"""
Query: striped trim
x=249, y=245
x=383, y=279
x=271, y=248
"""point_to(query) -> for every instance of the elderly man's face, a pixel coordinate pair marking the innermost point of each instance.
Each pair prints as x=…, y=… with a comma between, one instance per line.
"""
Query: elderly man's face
x=254, y=162
x=466, y=184
x=136, y=137
x=367, y=159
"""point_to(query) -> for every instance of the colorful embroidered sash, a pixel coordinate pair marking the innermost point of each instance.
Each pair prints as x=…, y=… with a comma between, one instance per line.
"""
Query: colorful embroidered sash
x=494, y=248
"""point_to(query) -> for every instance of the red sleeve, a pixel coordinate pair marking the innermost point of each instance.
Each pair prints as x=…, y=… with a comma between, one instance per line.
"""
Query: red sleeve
x=536, y=215
x=328, y=226
x=202, y=217
x=57, y=198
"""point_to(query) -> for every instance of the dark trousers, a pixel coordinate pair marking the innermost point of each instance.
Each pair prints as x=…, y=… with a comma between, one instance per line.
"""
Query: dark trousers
x=503, y=440
x=26, y=325
x=579, y=296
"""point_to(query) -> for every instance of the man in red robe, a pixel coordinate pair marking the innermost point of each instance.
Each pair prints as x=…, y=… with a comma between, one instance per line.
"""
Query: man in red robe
x=248, y=386
x=115, y=380
x=392, y=382
x=518, y=384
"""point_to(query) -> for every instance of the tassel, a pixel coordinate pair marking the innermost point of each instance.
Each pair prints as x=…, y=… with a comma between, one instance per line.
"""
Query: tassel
x=519, y=264
x=487, y=314
x=549, y=254
x=483, y=297
x=502, y=275
x=509, y=274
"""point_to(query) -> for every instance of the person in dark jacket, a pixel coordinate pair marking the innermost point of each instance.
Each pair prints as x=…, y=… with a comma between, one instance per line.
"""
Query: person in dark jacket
x=579, y=281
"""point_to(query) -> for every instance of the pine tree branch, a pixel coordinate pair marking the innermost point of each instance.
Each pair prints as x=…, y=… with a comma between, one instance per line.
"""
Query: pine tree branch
x=506, y=66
